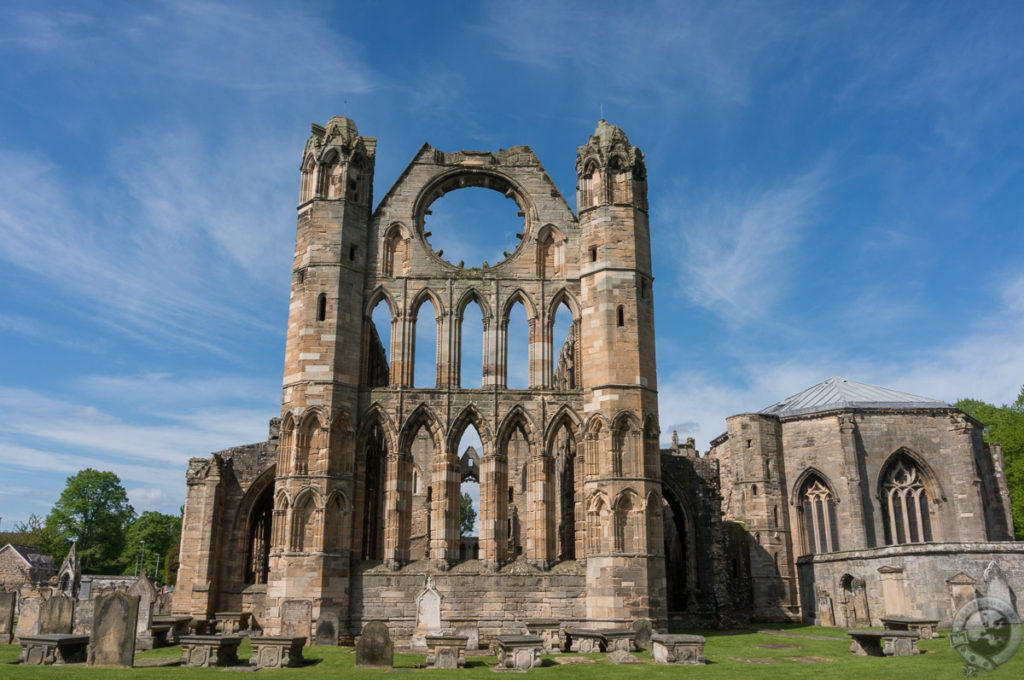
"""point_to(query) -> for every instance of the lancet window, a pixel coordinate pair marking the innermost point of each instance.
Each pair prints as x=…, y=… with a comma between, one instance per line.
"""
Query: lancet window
x=905, y=503
x=818, y=510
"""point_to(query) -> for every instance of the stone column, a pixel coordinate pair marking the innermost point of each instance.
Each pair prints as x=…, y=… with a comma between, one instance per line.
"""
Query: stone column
x=444, y=539
x=493, y=510
x=491, y=365
x=396, y=509
x=539, y=536
x=196, y=592
x=856, y=530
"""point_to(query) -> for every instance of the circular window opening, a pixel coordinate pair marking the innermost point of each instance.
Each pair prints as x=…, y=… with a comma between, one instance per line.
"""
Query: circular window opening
x=474, y=225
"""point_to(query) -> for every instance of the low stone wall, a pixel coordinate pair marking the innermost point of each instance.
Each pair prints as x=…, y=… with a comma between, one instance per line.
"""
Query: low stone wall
x=500, y=602
x=922, y=580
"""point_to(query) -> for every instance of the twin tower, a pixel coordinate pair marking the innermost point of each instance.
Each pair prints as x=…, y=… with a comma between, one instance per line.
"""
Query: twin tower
x=366, y=502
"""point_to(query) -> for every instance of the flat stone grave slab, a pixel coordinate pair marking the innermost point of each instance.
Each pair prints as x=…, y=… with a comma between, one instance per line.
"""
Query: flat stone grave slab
x=446, y=651
x=620, y=657
x=231, y=623
x=777, y=646
x=926, y=627
x=53, y=648
x=374, y=648
x=585, y=640
x=276, y=652
x=202, y=651
x=678, y=649
x=884, y=642
x=519, y=652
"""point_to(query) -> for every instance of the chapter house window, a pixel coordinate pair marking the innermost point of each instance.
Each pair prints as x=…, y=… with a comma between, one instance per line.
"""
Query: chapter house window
x=905, y=504
x=818, y=509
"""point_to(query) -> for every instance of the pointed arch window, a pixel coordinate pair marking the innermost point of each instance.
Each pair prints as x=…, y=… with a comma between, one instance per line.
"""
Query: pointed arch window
x=818, y=510
x=905, y=503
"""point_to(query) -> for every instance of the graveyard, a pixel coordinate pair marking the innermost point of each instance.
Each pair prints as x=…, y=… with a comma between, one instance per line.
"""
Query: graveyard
x=730, y=654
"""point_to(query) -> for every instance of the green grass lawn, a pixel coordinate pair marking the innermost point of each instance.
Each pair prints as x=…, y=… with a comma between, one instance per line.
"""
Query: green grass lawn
x=723, y=649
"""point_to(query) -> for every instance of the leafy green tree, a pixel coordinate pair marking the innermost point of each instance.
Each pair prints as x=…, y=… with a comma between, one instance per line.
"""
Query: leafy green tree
x=32, y=532
x=1005, y=425
x=467, y=515
x=148, y=541
x=93, y=510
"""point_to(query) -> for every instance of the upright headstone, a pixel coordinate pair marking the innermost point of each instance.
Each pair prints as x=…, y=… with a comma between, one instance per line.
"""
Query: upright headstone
x=296, y=618
x=326, y=630
x=112, y=642
x=961, y=590
x=374, y=648
x=428, y=614
x=7, y=600
x=826, y=616
x=144, y=590
x=643, y=631
x=56, y=615
x=28, y=615
x=998, y=586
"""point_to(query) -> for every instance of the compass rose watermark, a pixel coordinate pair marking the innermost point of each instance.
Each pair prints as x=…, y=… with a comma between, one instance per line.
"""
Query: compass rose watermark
x=986, y=632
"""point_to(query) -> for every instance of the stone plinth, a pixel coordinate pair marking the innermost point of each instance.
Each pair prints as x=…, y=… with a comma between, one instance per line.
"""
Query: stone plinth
x=547, y=629
x=884, y=642
x=231, y=623
x=446, y=651
x=926, y=627
x=519, y=652
x=585, y=640
x=277, y=652
x=678, y=649
x=55, y=648
x=202, y=651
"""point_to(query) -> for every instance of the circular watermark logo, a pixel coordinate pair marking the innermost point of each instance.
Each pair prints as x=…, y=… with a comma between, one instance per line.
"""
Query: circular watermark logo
x=986, y=633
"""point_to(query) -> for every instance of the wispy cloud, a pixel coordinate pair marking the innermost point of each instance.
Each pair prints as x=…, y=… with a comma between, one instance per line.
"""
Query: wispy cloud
x=734, y=248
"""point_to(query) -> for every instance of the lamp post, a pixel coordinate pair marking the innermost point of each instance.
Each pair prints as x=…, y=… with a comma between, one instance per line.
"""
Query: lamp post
x=142, y=561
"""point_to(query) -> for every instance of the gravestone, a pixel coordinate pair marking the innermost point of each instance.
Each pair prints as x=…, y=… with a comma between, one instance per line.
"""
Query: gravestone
x=7, y=600
x=28, y=615
x=55, y=615
x=296, y=618
x=998, y=586
x=115, y=618
x=642, y=633
x=428, y=614
x=961, y=590
x=894, y=599
x=326, y=630
x=374, y=648
x=826, y=617
x=144, y=590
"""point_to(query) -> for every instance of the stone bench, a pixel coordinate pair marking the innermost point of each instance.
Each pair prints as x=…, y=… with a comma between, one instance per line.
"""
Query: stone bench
x=446, y=651
x=585, y=640
x=896, y=642
x=519, y=652
x=547, y=629
x=276, y=652
x=202, y=651
x=179, y=626
x=57, y=648
x=231, y=623
x=677, y=649
x=928, y=628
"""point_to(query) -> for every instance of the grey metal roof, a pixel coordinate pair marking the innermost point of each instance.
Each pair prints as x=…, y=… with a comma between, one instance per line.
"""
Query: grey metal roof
x=837, y=393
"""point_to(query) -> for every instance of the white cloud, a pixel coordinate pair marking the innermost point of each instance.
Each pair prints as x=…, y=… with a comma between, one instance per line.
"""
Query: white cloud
x=733, y=247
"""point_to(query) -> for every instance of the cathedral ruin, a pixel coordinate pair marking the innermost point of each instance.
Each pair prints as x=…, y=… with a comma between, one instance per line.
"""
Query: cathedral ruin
x=350, y=511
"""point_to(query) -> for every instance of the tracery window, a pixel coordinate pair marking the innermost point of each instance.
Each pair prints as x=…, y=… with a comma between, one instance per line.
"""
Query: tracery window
x=818, y=508
x=905, y=503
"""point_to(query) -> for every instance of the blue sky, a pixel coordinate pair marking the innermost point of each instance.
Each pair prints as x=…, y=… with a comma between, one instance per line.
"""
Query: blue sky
x=835, y=189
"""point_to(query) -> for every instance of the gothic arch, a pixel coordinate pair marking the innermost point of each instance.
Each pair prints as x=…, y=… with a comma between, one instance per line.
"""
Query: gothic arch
x=308, y=181
x=422, y=415
x=377, y=415
x=564, y=416
x=341, y=454
x=470, y=416
x=550, y=251
x=422, y=295
x=518, y=295
x=307, y=513
x=379, y=293
x=516, y=419
x=812, y=471
x=931, y=479
x=472, y=295
x=309, y=442
x=909, y=494
x=563, y=295
x=815, y=500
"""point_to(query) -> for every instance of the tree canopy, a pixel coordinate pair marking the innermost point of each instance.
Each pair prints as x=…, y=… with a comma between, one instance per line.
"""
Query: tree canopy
x=1005, y=426
x=467, y=515
x=149, y=541
x=93, y=510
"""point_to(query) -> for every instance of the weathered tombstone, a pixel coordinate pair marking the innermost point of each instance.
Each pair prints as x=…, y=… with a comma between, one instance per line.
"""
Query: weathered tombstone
x=7, y=600
x=860, y=603
x=55, y=615
x=28, y=615
x=296, y=618
x=145, y=592
x=826, y=617
x=326, y=630
x=998, y=586
x=112, y=642
x=961, y=590
x=374, y=648
x=642, y=633
x=893, y=597
x=428, y=614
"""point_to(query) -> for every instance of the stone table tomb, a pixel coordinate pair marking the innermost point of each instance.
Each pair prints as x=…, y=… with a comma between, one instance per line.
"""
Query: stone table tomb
x=53, y=648
x=884, y=642
x=519, y=652
x=446, y=651
x=276, y=652
x=678, y=649
x=585, y=640
x=202, y=651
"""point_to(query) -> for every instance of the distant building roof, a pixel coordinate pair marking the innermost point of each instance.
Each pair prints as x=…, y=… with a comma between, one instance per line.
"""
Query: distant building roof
x=839, y=393
x=35, y=557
